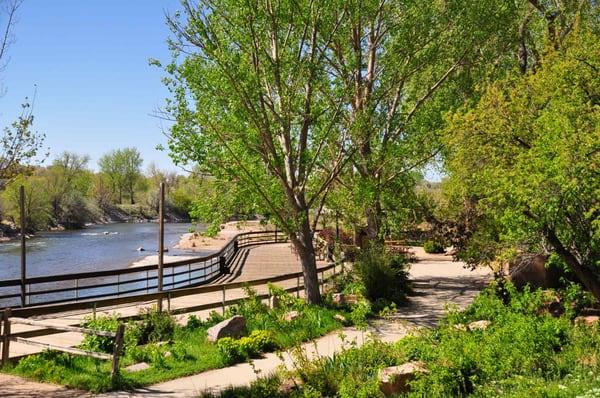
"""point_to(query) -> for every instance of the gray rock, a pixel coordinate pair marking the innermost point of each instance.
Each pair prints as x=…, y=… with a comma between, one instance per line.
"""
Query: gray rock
x=136, y=367
x=479, y=325
x=395, y=379
x=233, y=327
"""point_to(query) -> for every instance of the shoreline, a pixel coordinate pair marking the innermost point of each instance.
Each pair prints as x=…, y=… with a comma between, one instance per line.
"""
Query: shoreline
x=197, y=242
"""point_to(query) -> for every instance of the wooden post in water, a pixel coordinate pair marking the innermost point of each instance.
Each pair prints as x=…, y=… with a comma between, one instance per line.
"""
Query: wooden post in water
x=23, y=249
x=161, y=242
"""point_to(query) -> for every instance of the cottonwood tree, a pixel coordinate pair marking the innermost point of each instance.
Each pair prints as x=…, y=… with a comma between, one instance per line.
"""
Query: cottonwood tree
x=398, y=65
x=252, y=103
x=123, y=169
x=529, y=153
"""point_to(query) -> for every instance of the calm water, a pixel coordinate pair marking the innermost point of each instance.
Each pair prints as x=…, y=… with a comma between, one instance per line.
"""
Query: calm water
x=52, y=253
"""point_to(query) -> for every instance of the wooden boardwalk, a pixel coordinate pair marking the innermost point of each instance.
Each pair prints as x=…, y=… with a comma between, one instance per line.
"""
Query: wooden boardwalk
x=258, y=262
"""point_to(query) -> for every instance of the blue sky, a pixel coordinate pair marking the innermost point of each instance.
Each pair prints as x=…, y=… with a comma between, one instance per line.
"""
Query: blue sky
x=89, y=61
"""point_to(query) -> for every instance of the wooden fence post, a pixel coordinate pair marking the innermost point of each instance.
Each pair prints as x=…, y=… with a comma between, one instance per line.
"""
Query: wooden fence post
x=223, y=299
x=118, y=350
x=6, y=336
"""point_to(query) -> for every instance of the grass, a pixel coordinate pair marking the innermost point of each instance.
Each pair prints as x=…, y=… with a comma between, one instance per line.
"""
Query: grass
x=190, y=352
x=525, y=352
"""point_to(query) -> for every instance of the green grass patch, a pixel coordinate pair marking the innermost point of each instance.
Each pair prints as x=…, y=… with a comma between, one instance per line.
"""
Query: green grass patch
x=189, y=351
x=524, y=352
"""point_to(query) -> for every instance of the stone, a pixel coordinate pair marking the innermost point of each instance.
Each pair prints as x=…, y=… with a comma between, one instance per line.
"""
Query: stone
x=137, y=367
x=341, y=318
x=590, y=320
x=479, y=325
x=395, y=379
x=289, y=385
x=290, y=316
x=233, y=327
x=141, y=249
x=343, y=298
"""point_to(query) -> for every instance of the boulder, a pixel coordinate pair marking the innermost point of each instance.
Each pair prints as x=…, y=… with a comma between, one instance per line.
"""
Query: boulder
x=137, y=367
x=530, y=269
x=289, y=385
x=395, y=379
x=340, y=318
x=590, y=320
x=290, y=316
x=343, y=298
x=479, y=325
x=233, y=327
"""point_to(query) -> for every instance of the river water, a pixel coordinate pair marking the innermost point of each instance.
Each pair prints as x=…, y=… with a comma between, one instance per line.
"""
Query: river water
x=98, y=247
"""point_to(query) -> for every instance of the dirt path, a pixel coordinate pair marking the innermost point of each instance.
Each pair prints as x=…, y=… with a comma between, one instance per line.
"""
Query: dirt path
x=438, y=282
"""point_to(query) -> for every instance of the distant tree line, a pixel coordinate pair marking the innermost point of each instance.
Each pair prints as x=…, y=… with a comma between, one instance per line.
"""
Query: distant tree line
x=68, y=194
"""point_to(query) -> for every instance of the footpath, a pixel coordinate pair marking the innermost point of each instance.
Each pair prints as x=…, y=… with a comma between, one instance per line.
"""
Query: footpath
x=439, y=282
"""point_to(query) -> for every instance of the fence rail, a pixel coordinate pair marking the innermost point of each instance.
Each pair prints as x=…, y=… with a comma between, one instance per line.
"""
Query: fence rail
x=8, y=337
x=74, y=287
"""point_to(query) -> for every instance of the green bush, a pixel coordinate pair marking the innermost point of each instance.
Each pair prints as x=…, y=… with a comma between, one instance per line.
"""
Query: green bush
x=155, y=326
x=108, y=323
x=433, y=247
x=383, y=275
x=246, y=347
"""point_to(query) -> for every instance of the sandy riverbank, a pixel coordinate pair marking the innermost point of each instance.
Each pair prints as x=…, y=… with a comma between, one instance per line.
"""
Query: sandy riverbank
x=198, y=242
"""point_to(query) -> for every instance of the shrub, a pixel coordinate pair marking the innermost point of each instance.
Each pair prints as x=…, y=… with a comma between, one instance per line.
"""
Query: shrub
x=108, y=323
x=383, y=275
x=246, y=347
x=433, y=247
x=155, y=326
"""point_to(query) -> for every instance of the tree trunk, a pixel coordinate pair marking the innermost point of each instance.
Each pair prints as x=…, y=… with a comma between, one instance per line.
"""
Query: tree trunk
x=374, y=215
x=589, y=278
x=303, y=242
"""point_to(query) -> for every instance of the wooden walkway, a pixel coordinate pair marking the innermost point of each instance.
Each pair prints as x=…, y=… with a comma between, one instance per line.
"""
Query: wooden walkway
x=252, y=263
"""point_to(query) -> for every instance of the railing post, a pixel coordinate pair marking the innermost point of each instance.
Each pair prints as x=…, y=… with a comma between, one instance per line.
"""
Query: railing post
x=76, y=289
x=161, y=243
x=6, y=336
x=235, y=246
x=223, y=299
x=275, y=236
x=298, y=287
x=94, y=311
x=117, y=350
x=169, y=302
x=223, y=265
x=189, y=274
x=23, y=249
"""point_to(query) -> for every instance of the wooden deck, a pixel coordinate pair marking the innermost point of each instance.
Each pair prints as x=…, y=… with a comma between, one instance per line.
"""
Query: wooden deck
x=252, y=263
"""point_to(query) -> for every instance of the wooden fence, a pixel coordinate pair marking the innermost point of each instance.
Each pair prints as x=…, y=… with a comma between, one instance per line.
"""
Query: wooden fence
x=8, y=337
x=54, y=289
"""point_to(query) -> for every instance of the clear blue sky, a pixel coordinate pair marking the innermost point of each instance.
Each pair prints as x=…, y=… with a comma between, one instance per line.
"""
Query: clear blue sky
x=89, y=61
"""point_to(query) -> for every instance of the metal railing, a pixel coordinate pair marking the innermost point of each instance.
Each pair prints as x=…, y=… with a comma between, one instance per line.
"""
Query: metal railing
x=74, y=287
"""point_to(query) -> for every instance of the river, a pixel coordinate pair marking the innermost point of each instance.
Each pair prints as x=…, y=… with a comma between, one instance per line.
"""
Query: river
x=98, y=247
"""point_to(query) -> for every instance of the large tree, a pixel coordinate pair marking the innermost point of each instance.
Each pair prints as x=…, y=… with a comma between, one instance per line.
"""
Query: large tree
x=527, y=159
x=254, y=105
x=398, y=65
x=123, y=169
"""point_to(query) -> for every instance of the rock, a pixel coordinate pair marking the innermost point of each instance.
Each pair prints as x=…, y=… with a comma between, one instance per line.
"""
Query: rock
x=590, y=320
x=289, y=385
x=136, y=367
x=341, y=318
x=233, y=327
x=343, y=298
x=105, y=232
x=290, y=316
x=479, y=325
x=394, y=380
x=141, y=249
